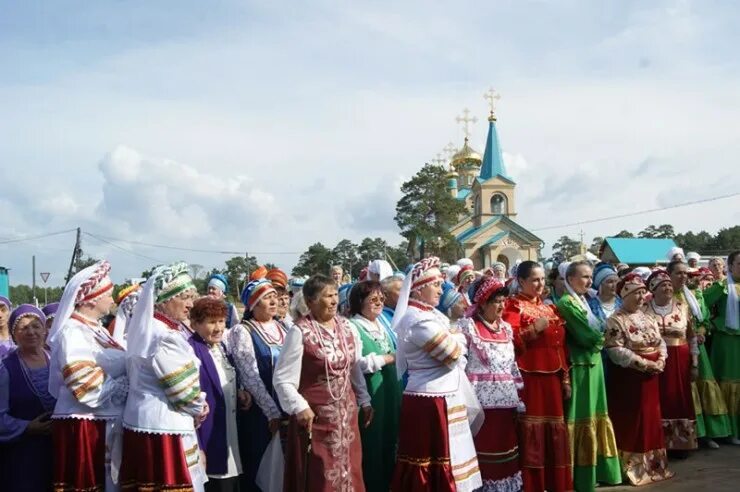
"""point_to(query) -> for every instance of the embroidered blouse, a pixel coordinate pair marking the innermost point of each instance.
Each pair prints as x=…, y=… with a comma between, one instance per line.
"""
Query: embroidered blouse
x=676, y=325
x=630, y=335
x=372, y=363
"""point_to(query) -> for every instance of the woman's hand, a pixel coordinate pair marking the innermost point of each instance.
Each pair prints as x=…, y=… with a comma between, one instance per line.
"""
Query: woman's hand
x=700, y=339
x=367, y=416
x=203, y=415
x=567, y=391
x=389, y=359
x=40, y=426
x=540, y=324
x=274, y=425
x=244, y=399
x=305, y=419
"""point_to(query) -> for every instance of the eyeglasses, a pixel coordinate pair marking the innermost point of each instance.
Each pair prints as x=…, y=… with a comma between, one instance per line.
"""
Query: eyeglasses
x=376, y=299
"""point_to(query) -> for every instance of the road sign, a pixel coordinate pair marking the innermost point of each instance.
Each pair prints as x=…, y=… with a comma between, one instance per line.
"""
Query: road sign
x=44, y=276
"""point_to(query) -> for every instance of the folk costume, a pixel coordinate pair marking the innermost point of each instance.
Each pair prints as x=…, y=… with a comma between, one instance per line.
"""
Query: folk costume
x=435, y=448
x=160, y=446
x=6, y=345
x=87, y=376
x=254, y=348
x=712, y=420
x=631, y=340
x=318, y=368
x=543, y=362
x=379, y=440
x=676, y=399
x=725, y=352
x=592, y=441
x=220, y=282
x=24, y=395
x=492, y=370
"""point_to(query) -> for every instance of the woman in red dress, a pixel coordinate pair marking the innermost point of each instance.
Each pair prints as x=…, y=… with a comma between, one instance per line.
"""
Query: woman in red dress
x=539, y=339
x=637, y=356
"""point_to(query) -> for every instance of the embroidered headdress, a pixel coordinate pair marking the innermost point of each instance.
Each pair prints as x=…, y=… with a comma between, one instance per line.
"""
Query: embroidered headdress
x=656, y=278
x=25, y=311
x=631, y=283
x=254, y=291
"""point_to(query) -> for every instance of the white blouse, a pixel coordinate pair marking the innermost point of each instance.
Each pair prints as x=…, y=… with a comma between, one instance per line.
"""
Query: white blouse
x=227, y=376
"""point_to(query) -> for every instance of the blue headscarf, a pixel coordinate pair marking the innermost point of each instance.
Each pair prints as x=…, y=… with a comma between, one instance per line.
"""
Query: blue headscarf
x=601, y=273
x=219, y=281
x=344, y=291
x=450, y=296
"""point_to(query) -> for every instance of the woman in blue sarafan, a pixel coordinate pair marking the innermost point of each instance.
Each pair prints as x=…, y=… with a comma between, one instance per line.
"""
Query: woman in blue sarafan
x=255, y=345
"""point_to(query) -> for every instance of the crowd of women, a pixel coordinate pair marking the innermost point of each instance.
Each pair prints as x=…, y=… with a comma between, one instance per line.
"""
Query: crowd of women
x=441, y=378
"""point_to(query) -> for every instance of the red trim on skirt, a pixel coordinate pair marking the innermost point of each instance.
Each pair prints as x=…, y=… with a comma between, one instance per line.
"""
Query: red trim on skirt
x=543, y=435
x=79, y=454
x=497, y=445
x=423, y=461
x=154, y=462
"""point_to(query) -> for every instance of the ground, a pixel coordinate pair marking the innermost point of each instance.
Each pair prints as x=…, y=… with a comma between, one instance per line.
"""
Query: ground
x=708, y=470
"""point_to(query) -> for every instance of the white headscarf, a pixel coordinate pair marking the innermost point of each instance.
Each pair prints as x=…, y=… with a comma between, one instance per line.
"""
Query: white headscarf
x=673, y=252
x=381, y=268
x=732, y=316
x=593, y=321
x=66, y=307
x=693, y=303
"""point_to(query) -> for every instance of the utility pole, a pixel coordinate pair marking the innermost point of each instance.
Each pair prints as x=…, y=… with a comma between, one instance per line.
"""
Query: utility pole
x=75, y=252
x=33, y=279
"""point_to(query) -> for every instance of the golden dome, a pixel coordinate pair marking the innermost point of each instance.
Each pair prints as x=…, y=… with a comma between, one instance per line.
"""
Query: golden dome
x=466, y=155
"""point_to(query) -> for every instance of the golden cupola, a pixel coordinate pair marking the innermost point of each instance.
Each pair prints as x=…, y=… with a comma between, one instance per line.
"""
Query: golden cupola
x=467, y=162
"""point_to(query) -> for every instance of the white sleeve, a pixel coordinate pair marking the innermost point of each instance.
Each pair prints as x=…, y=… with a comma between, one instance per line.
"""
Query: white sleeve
x=359, y=385
x=242, y=351
x=370, y=363
x=178, y=373
x=287, y=374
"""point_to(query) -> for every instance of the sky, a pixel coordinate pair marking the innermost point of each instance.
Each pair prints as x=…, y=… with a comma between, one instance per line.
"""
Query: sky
x=267, y=126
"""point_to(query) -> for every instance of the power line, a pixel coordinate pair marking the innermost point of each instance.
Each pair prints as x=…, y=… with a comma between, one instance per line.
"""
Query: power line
x=121, y=248
x=196, y=250
x=641, y=212
x=40, y=236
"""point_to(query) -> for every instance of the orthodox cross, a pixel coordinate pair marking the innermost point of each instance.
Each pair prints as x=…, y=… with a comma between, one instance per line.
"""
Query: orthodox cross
x=466, y=120
x=439, y=161
x=450, y=150
x=492, y=97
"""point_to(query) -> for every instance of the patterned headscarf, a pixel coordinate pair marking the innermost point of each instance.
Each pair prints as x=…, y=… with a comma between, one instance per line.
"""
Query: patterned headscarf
x=631, y=283
x=466, y=271
x=50, y=310
x=96, y=285
x=656, y=278
x=258, y=274
x=6, y=302
x=219, y=281
x=172, y=280
x=424, y=272
x=484, y=289
x=450, y=296
x=254, y=291
x=601, y=273
x=25, y=311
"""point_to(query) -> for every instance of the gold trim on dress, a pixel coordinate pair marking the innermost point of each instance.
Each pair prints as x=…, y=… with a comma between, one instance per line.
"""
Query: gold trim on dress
x=590, y=438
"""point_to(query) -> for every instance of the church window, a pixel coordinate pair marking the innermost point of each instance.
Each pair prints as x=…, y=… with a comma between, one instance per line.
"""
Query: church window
x=476, y=205
x=499, y=205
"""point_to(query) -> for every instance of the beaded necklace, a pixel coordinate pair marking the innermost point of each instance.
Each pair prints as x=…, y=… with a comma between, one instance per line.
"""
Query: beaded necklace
x=27, y=376
x=270, y=339
x=341, y=373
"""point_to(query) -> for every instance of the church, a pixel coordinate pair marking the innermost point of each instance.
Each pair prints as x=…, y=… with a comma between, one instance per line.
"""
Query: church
x=488, y=232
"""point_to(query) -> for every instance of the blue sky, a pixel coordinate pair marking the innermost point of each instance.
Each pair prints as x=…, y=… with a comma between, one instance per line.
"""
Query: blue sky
x=268, y=126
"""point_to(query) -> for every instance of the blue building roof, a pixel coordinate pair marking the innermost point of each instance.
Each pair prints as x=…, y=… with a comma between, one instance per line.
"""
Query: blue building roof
x=646, y=251
x=466, y=234
x=463, y=193
x=493, y=161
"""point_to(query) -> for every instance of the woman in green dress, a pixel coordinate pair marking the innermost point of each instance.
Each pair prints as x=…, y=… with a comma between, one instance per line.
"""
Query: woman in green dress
x=711, y=412
x=593, y=444
x=378, y=362
x=725, y=353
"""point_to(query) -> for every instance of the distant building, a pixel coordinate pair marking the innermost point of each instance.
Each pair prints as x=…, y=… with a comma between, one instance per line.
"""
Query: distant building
x=636, y=251
x=4, y=282
x=488, y=233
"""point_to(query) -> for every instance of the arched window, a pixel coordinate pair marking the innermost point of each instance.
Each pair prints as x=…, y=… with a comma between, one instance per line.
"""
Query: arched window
x=476, y=204
x=498, y=204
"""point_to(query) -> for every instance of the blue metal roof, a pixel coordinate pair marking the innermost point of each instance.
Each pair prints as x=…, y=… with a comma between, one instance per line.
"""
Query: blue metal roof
x=496, y=237
x=465, y=235
x=493, y=160
x=463, y=194
x=640, y=250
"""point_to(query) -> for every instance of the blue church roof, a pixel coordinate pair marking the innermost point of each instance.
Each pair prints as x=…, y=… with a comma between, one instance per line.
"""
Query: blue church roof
x=463, y=193
x=645, y=251
x=493, y=161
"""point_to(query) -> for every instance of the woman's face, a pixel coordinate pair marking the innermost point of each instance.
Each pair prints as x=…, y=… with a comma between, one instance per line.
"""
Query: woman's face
x=679, y=276
x=30, y=333
x=266, y=308
x=430, y=293
x=535, y=283
x=735, y=269
x=493, y=309
x=608, y=287
x=457, y=310
x=559, y=285
x=372, y=305
x=4, y=314
x=664, y=291
x=717, y=266
x=211, y=330
x=324, y=307
x=581, y=279
x=215, y=292
x=104, y=304
x=283, y=304
x=499, y=272
x=178, y=308
x=467, y=281
x=634, y=301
